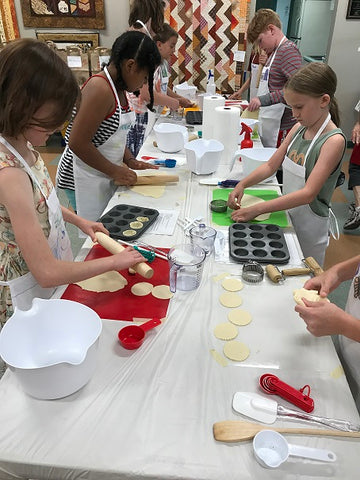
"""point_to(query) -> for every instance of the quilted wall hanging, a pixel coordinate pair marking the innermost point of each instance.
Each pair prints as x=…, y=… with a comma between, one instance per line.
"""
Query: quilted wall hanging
x=210, y=32
x=8, y=23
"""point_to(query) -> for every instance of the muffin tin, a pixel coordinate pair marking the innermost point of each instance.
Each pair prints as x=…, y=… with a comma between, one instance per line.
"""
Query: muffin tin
x=124, y=218
x=259, y=242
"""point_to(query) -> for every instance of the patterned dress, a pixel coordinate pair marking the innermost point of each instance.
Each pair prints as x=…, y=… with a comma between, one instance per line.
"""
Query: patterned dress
x=12, y=263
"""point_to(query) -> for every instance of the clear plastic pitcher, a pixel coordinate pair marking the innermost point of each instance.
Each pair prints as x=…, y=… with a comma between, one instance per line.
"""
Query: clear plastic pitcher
x=186, y=266
x=203, y=236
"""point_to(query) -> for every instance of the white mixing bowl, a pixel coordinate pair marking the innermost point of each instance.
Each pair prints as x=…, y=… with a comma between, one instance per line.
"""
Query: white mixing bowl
x=52, y=347
x=254, y=157
x=170, y=137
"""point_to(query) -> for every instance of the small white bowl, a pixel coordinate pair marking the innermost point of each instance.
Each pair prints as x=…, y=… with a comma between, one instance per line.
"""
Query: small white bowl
x=170, y=137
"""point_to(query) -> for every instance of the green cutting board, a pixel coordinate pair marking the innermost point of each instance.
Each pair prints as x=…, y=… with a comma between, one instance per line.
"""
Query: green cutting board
x=224, y=219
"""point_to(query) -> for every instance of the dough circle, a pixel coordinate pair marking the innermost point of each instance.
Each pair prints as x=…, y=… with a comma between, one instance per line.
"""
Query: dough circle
x=141, y=289
x=129, y=233
x=106, y=282
x=142, y=219
x=162, y=292
x=232, y=284
x=230, y=299
x=136, y=225
x=225, y=331
x=236, y=351
x=239, y=317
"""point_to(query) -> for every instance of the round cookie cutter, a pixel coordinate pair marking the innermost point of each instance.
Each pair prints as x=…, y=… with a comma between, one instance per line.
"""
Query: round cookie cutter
x=252, y=272
x=218, y=206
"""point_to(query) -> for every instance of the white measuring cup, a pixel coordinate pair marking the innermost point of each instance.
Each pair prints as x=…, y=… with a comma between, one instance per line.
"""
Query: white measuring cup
x=186, y=266
x=271, y=449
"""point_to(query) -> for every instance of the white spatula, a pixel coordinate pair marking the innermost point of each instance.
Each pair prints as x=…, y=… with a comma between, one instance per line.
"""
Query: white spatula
x=267, y=410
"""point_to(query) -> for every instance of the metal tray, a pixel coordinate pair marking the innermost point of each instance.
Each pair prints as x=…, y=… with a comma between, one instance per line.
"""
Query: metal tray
x=259, y=242
x=124, y=218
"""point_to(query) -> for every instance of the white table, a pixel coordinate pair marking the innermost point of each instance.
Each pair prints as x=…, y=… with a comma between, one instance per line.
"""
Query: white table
x=149, y=413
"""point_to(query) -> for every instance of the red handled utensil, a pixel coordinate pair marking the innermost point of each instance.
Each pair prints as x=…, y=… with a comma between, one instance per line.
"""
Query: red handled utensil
x=132, y=336
x=272, y=385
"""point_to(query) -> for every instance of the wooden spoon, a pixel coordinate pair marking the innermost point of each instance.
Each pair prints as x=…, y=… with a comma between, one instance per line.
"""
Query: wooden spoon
x=238, y=431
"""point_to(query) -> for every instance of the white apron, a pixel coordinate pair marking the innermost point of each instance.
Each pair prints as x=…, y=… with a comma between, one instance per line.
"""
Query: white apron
x=350, y=349
x=253, y=80
x=270, y=116
x=311, y=229
x=93, y=189
x=25, y=288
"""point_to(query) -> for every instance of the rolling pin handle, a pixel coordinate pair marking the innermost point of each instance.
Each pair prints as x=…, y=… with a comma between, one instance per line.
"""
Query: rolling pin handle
x=315, y=268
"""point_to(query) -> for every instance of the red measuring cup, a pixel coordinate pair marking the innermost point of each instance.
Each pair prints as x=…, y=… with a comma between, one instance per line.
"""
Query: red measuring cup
x=132, y=336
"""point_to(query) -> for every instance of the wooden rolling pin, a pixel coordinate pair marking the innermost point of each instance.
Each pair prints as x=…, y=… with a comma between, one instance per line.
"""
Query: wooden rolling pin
x=155, y=179
x=237, y=431
x=113, y=246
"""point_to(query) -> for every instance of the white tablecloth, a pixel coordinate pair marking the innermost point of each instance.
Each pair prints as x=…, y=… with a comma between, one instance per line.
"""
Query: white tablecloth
x=149, y=413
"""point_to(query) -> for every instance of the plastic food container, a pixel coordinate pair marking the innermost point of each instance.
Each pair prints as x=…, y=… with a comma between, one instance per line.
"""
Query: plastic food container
x=218, y=206
x=170, y=137
x=52, y=347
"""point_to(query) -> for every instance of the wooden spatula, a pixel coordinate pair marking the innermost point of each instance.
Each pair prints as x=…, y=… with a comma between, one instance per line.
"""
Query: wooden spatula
x=238, y=431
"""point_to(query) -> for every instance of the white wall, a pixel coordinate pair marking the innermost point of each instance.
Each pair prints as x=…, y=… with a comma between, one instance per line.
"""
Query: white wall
x=344, y=58
x=116, y=22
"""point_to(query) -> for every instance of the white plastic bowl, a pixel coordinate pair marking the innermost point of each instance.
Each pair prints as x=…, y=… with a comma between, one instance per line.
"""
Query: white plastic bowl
x=52, y=347
x=170, y=137
x=203, y=156
x=185, y=90
x=254, y=157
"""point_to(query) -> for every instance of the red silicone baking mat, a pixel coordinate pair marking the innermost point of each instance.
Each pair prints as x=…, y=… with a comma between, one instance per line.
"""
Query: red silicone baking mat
x=122, y=304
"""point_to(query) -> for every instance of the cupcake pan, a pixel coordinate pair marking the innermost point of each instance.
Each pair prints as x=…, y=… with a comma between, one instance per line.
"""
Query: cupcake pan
x=122, y=219
x=259, y=242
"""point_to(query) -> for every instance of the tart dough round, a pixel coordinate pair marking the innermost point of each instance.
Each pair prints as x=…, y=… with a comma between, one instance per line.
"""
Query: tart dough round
x=230, y=299
x=236, y=351
x=142, y=219
x=232, y=284
x=239, y=317
x=225, y=331
x=141, y=289
x=129, y=233
x=311, y=295
x=162, y=292
x=249, y=201
x=106, y=282
x=136, y=225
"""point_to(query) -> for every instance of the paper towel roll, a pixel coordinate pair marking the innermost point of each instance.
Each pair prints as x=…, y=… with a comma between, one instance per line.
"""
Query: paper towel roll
x=227, y=131
x=209, y=105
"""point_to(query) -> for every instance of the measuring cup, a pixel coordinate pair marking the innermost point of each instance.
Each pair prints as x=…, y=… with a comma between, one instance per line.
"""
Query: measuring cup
x=271, y=449
x=132, y=336
x=186, y=266
x=203, y=236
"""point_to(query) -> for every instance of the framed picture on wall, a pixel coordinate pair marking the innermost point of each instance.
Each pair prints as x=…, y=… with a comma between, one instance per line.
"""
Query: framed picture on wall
x=353, y=10
x=63, y=13
x=63, y=40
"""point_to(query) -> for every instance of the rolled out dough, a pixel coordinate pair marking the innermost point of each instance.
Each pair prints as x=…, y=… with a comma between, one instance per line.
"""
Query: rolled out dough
x=141, y=289
x=239, y=317
x=232, y=284
x=230, y=299
x=249, y=201
x=106, y=282
x=155, y=191
x=225, y=331
x=236, y=351
x=162, y=292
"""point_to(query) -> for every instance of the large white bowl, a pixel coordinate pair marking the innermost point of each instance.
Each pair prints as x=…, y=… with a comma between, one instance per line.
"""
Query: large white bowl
x=254, y=157
x=52, y=347
x=170, y=137
x=203, y=156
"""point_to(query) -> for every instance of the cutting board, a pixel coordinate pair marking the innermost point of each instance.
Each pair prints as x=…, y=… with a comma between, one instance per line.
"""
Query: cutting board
x=122, y=304
x=224, y=219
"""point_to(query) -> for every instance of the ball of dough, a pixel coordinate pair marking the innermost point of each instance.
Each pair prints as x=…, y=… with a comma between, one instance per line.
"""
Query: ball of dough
x=311, y=295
